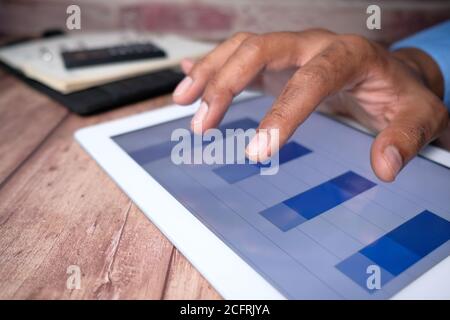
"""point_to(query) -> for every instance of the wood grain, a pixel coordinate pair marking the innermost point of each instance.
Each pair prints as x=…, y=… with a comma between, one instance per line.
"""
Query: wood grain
x=60, y=209
x=26, y=119
x=141, y=263
x=184, y=282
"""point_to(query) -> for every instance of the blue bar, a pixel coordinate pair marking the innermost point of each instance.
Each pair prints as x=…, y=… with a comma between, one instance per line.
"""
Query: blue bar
x=328, y=195
x=283, y=217
x=356, y=266
x=399, y=249
x=390, y=255
x=433, y=229
x=164, y=149
x=233, y=173
x=322, y=198
x=245, y=124
x=152, y=153
x=290, y=151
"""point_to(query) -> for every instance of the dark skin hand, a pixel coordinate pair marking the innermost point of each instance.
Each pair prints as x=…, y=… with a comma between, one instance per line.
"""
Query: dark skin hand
x=396, y=94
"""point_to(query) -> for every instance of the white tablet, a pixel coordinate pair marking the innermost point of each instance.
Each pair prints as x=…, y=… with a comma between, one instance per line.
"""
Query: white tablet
x=322, y=227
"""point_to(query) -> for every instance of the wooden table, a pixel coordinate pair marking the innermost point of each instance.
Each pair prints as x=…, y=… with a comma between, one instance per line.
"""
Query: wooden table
x=58, y=208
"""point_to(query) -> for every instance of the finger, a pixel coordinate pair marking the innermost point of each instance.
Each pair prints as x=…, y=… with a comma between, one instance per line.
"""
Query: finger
x=405, y=136
x=253, y=55
x=341, y=65
x=192, y=86
x=187, y=65
x=272, y=52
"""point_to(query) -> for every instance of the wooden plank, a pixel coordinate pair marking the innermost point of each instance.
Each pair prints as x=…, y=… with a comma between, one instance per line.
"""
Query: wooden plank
x=26, y=119
x=141, y=264
x=61, y=209
x=185, y=282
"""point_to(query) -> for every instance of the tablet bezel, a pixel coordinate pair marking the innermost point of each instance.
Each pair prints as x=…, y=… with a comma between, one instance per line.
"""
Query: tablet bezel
x=227, y=272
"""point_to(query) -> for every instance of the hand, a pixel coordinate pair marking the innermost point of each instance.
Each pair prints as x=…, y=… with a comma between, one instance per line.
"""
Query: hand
x=389, y=92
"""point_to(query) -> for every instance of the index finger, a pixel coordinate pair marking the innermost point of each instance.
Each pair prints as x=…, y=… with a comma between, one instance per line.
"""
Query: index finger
x=342, y=64
x=192, y=86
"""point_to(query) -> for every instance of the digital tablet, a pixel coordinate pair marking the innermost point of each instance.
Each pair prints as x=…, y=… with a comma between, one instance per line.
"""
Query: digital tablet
x=322, y=227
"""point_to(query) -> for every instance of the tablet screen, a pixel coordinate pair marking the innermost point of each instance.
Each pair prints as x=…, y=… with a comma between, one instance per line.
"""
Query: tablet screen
x=323, y=226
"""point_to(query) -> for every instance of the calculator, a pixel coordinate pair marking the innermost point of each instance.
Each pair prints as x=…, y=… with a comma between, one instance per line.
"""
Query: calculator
x=113, y=54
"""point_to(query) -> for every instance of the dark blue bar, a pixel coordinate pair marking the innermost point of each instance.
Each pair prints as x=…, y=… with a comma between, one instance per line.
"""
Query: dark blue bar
x=399, y=249
x=245, y=124
x=317, y=200
x=290, y=151
x=328, y=195
x=390, y=255
x=164, y=149
x=233, y=173
x=402, y=247
x=433, y=229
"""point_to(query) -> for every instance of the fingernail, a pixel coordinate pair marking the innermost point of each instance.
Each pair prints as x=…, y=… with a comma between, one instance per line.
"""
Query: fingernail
x=258, y=146
x=393, y=158
x=183, y=86
x=200, y=115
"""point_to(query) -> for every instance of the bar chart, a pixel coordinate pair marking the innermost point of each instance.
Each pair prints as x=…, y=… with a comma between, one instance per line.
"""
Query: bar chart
x=317, y=227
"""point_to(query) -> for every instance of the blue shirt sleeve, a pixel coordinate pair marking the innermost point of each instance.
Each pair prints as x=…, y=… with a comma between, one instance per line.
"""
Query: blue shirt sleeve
x=436, y=43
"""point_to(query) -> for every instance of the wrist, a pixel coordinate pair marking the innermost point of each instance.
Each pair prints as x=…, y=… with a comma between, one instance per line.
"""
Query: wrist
x=424, y=66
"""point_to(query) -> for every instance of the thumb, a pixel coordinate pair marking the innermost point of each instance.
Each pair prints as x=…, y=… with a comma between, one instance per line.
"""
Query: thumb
x=402, y=139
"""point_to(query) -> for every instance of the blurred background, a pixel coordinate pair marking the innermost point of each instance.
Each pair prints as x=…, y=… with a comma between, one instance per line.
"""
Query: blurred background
x=217, y=19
